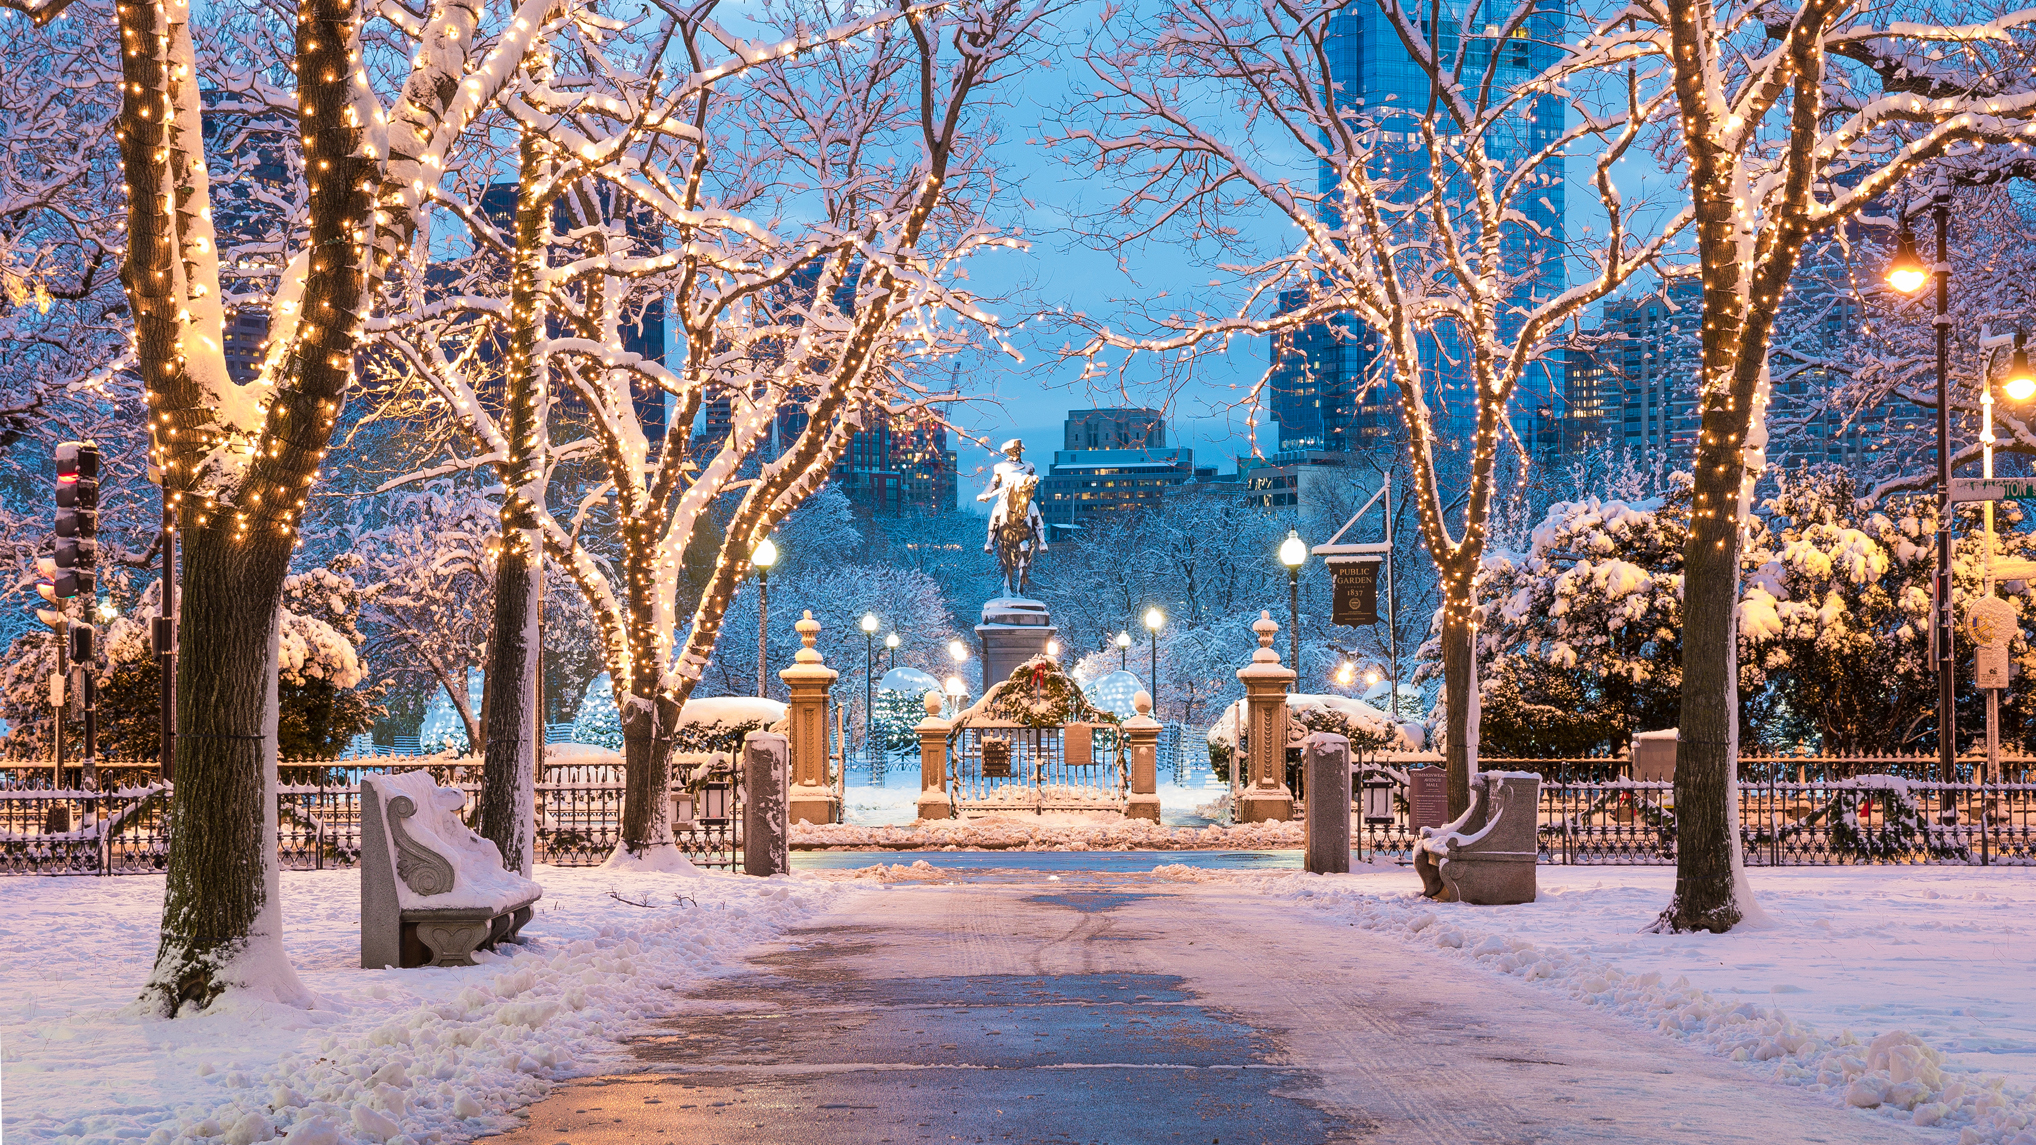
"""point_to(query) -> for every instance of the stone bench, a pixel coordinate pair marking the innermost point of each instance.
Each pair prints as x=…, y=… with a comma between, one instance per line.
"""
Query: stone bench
x=432, y=891
x=1487, y=855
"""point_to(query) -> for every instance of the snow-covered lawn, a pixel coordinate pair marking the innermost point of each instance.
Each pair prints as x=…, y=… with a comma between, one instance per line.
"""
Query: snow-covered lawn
x=410, y=1057
x=1909, y=989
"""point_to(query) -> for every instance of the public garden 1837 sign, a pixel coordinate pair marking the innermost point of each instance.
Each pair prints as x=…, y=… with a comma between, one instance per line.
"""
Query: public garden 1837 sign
x=1356, y=582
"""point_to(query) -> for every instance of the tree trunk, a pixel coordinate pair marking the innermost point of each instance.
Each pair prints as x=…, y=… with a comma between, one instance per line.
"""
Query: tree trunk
x=1460, y=755
x=221, y=918
x=647, y=755
x=1707, y=746
x=509, y=766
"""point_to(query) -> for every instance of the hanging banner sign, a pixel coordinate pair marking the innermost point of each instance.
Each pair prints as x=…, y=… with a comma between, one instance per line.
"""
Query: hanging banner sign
x=1965, y=489
x=1356, y=600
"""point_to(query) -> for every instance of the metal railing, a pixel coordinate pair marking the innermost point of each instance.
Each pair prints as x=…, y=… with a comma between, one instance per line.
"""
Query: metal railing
x=125, y=829
x=1028, y=769
x=1858, y=819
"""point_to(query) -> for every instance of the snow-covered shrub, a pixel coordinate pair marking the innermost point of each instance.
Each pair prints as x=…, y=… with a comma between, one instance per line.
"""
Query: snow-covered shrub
x=321, y=703
x=1367, y=728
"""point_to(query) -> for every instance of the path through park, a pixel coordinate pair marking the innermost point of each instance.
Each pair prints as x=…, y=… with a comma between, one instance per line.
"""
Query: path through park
x=1094, y=1007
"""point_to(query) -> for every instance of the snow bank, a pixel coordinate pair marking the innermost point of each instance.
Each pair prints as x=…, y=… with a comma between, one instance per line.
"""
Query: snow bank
x=403, y=1056
x=1023, y=831
x=1894, y=989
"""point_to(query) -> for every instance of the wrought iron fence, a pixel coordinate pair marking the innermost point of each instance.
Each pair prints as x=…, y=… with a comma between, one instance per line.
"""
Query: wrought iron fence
x=1862, y=818
x=49, y=829
x=999, y=766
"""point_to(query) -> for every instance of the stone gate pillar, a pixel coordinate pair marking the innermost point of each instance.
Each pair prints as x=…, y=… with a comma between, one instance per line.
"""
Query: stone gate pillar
x=811, y=796
x=1265, y=795
x=933, y=800
x=1142, y=733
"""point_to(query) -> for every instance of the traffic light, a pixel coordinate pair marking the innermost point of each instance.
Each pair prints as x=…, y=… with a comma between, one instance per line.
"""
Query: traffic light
x=77, y=559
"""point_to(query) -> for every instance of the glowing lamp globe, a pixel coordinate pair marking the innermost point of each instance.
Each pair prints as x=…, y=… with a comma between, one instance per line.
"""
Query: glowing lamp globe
x=764, y=555
x=891, y=641
x=1371, y=678
x=869, y=623
x=1345, y=672
x=1155, y=619
x=1124, y=639
x=958, y=650
x=2021, y=383
x=1906, y=272
x=1293, y=550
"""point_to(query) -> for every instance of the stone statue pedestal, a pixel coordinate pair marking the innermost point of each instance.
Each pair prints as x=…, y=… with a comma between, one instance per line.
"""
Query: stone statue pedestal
x=1014, y=630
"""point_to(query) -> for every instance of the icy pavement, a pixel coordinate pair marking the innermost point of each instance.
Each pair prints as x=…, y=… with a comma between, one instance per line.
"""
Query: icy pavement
x=408, y=1057
x=945, y=1004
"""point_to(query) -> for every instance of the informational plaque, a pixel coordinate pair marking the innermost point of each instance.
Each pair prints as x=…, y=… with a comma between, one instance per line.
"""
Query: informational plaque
x=1075, y=742
x=1427, y=797
x=996, y=759
x=1356, y=600
x=1990, y=623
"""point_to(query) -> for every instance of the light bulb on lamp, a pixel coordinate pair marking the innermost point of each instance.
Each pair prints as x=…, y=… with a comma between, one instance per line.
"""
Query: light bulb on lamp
x=765, y=554
x=1124, y=639
x=1293, y=550
x=1345, y=672
x=1154, y=619
x=2021, y=382
x=958, y=650
x=891, y=642
x=869, y=623
x=1906, y=271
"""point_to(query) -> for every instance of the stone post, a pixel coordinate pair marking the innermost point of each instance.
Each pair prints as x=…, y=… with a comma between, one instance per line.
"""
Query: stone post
x=1143, y=733
x=1265, y=796
x=765, y=829
x=1325, y=761
x=933, y=801
x=812, y=798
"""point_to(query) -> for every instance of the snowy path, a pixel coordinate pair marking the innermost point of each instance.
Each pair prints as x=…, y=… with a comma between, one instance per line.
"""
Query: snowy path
x=1154, y=1008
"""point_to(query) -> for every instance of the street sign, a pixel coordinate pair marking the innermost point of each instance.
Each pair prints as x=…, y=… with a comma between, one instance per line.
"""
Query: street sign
x=1356, y=601
x=1354, y=573
x=1965, y=489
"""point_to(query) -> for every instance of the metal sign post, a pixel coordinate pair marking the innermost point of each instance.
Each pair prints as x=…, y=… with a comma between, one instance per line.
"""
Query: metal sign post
x=1354, y=570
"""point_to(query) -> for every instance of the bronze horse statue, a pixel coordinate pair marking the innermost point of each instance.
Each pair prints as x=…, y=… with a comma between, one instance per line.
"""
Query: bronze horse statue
x=1019, y=535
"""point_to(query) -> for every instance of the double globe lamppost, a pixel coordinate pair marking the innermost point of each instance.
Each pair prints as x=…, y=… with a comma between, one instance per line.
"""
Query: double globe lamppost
x=1908, y=273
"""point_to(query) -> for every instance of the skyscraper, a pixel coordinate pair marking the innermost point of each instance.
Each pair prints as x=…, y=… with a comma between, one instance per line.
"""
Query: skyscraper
x=1329, y=387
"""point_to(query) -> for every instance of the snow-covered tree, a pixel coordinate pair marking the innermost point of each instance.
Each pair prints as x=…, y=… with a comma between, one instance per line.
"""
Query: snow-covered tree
x=820, y=192
x=1411, y=225
x=237, y=460
x=431, y=569
x=1583, y=628
x=1791, y=120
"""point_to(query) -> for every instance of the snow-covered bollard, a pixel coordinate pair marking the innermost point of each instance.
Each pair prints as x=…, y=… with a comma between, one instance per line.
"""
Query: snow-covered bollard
x=766, y=830
x=1142, y=732
x=1325, y=771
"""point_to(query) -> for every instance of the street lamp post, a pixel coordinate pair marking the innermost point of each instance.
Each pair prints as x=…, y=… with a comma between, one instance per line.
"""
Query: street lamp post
x=1123, y=649
x=869, y=694
x=1907, y=273
x=1154, y=621
x=891, y=645
x=763, y=557
x=1294, y=553
x=959, y=653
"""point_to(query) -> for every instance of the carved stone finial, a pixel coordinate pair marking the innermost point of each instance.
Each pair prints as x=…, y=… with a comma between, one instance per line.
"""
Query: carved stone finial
x=1142, y=702
x=935, y=702
x=809, y=631
x=1267, y=628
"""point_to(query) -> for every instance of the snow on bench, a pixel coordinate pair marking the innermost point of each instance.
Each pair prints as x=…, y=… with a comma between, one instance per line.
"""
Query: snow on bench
x=1487, y=855
x=432, y=891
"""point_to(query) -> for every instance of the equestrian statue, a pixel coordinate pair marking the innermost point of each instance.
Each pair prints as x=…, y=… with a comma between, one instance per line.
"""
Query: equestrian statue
x=1017, y=530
